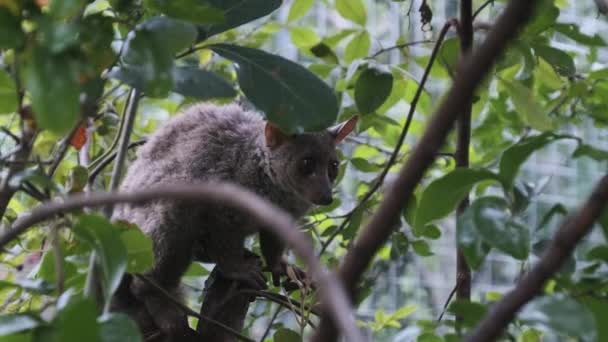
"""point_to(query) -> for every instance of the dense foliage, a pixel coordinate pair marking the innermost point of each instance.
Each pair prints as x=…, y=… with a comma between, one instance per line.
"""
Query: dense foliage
x=67, y=69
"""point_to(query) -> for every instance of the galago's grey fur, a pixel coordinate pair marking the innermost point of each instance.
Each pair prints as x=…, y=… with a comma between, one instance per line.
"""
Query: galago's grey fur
x=206, y=143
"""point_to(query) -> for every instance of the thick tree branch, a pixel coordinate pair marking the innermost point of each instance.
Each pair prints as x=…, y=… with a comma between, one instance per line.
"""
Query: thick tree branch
x=266, y=214
x=470, y=74
x=463, y=272
x=570, y=233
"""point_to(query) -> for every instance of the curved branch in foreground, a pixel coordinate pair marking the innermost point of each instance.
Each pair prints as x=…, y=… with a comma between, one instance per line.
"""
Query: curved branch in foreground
x=471, y=72
x=570, y=233
x=266, y=214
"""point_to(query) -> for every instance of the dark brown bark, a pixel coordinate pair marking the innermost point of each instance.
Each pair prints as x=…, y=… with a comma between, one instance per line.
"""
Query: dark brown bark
x=463, y=271
x=470, y=74
x=570, y=233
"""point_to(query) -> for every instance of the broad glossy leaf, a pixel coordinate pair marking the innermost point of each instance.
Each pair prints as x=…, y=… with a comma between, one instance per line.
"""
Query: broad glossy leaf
x=286, y=335
x=357, y=47
x=106, y=240
x=372, y=88
x=525, y=104
x=558, y=59
x=49, y=78
x=149, y=52
x=118, y=327
x=493, y=221
x=470, y=241
x=13, y=323
x=290, y=96
x=299, y=8
x=11, y=35
x=353, y=10
x=198, y=12
x=8, y=94
x=516, y=155
x=201, y=84
x=443, y=195
x=561, y=314
x=237, y=13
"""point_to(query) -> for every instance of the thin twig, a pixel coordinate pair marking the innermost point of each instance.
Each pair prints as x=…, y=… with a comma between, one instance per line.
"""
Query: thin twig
x=267, y=215
x=447, y=303
x=56, y=245
x=570, y=233
x=271, y=322
x=64, y=145
x=108, y=159
x=10, y=134
x=480, y=8
x=123, y=143
x=470, y=73
x=402, y=136
x=401, y=46
x=191, y=312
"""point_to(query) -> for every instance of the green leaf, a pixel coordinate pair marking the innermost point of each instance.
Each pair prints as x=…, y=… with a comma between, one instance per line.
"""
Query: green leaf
x=584, y=150
x=357, y=47
x=572, y=31
x=599, y=309
x=421, y=248
x=471, y=312
x=11, y=35
x=353, y=10
x=431, y=231
x=106, y=240
x=493, y=222
x=66, y=8
x=201, y=84
x=365, y=166
x=236, y=13
x=531, y=110
x=286, y=335
x=8, y=94
x=558, y=59
x=428, y=337
x=149, y=52
x=76, y=320
x=516, y=155
x=49, y=78
x=443, y=195
x=298, y=9
x=13, y=323
x=290, y=96
x=118, y=327
x=303, y=37
x=372, y=88
x=561, y=314
x=140, y=253
x=189, y=10
x=470, y=241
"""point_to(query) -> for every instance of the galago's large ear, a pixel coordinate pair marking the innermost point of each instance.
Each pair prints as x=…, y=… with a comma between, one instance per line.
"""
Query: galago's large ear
x=341, y=130
x=274, y=136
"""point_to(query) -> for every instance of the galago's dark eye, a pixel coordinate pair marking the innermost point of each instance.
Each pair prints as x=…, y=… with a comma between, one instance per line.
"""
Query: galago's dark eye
x=332, y=170
x=307, y=166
